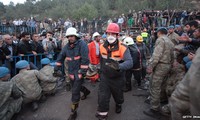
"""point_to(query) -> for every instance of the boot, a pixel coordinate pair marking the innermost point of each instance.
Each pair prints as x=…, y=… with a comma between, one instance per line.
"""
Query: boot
x=68, y=86
x=118, y=108
x=127, y=89
x=152, y=113
x=73, y=114
x=34, y=106
x=85, y=91
x=101, y=117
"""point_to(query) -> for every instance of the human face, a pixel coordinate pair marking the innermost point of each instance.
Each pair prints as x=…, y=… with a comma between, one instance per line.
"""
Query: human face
x=187, y=28
x=27, y=37
x=196, y=33
x=7, y=39
x=71, y=38
x=111, y=37
x=36, y=37
x=171, y=30
x=98, y=38
x=49, y=35
x=6, y=78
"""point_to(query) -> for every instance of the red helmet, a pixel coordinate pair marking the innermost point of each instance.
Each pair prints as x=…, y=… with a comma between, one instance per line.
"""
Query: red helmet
x=113, y=28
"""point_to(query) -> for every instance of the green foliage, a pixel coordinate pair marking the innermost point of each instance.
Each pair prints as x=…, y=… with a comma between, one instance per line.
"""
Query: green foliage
x=77, y=9
x=85, y=11
x=2, y=9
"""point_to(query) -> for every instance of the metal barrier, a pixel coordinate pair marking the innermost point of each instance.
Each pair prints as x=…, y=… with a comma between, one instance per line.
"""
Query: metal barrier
x=10, y=29
x=34, y=60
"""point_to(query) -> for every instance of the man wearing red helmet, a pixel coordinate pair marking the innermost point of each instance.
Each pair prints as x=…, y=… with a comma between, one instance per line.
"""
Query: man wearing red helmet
x=115, y=59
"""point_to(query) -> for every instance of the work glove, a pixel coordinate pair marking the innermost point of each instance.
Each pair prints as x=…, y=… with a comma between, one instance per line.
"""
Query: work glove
x=113, y=64
x=57, y=72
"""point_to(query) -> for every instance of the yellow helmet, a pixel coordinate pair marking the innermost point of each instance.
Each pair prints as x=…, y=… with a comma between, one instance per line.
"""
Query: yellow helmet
x=139, y=38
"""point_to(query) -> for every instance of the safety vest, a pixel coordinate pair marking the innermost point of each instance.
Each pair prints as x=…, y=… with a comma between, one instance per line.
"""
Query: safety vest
x=144, y=34
x=117, y=54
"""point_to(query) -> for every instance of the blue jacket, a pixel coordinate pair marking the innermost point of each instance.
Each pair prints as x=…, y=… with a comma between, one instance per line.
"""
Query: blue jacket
x=77, y=57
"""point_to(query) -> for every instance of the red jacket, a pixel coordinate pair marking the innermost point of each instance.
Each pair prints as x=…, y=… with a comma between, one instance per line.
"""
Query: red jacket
x=94, y=59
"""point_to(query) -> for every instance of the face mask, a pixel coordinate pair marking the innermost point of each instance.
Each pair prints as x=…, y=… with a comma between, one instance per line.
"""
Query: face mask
x=111, y=39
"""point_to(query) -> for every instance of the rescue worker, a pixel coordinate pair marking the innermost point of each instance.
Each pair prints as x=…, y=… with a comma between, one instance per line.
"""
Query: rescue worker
x=144, y=35
x=115, y=59
x=143, y=51
x=159, y=65
x=172, y=35
x=185, y=99
x=136, y=69
x=76, y=54
x=10, y=96
x=92, y=73
x=28, y=83
x=48, y=87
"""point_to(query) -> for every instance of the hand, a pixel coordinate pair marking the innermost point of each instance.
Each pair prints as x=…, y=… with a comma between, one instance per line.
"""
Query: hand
x=184, y=38
x=149, y=70
x=21, y=54
x=8, y=57
x=113, y=64
x=80, y=76
x=175, y=64
x=34, y=53
x=191, y=56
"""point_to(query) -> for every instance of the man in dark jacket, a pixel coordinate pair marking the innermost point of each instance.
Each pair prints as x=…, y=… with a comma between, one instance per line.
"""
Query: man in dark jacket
x=10, y=50
x=75, y=52
x=136, y=69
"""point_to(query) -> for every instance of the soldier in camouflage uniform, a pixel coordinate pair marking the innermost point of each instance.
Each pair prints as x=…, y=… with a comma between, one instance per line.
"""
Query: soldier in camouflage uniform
x=10, y=96
x=48, y=87
x=28, y=82
x=185, y=99
x=172, y=35
x=159, y=65
x=176, y=75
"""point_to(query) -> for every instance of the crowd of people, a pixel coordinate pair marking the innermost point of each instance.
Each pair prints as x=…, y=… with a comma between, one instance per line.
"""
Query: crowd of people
x=144, y=18
x=168, y=72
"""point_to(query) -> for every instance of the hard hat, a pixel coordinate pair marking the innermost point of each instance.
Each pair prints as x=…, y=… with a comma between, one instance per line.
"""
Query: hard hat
x=4, y=71
x=71, y=31
x=128, y=41
x=21, y=64
x=113, y=28
x=139, y=38
x=45, y=61
x=95, y=35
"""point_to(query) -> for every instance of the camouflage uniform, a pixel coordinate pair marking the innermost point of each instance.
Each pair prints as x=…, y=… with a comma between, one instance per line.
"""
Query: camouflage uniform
x=160, y=62
x=10, y=100
x=173, y=37
x=176, y=75
x=185, y=99
x=48, y=87
x=28, y=82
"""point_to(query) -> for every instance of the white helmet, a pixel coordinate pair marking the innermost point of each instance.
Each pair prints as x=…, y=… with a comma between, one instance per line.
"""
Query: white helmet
x=71, y=31
x=95, y=35
x=128, y=41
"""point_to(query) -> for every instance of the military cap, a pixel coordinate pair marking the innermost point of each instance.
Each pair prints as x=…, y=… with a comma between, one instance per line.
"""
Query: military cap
x=21, y=64
x=4, y=71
